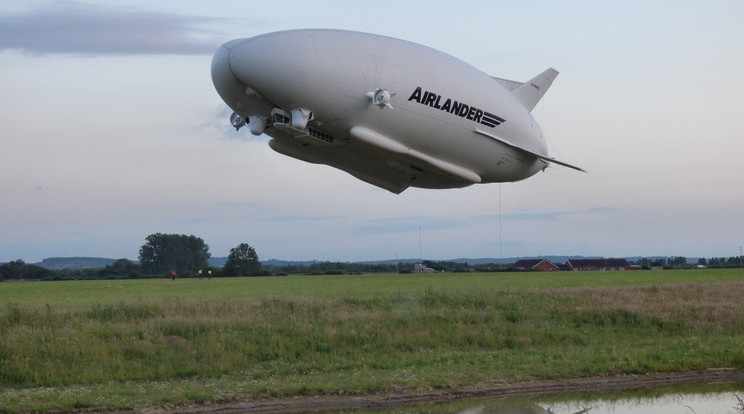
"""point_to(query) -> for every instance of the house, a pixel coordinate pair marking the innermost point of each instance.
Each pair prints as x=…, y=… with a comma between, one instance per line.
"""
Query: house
x=536, y=264
x=599, y=264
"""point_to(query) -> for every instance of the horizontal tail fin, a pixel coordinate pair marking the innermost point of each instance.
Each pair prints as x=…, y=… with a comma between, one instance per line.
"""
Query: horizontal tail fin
x=543, y=157
x=529, y=93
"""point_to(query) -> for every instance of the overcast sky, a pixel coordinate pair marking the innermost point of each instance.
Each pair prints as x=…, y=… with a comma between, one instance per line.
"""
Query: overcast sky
x=111, y=130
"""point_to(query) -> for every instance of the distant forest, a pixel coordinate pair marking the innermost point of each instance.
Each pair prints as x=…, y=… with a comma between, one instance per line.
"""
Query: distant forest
x=127, y=269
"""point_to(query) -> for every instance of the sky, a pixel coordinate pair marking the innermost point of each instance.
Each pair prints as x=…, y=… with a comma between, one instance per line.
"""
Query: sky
x=111, y=130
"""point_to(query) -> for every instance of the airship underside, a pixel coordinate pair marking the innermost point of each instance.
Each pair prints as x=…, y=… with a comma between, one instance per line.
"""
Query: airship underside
x=390, y=112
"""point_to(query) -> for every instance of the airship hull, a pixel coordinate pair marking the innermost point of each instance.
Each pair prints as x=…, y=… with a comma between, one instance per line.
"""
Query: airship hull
x=390, y=112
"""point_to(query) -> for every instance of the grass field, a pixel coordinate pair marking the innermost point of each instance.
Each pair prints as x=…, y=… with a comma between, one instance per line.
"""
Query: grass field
x=141, y=343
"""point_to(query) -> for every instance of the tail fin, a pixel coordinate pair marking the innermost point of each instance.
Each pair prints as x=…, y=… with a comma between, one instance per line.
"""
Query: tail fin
x=530, y=92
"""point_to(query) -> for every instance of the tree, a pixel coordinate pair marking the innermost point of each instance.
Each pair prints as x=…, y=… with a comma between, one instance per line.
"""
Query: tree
x=121, y=267
x=166, y=252
x=677, y=261
x=243, y=261
x=19, y=270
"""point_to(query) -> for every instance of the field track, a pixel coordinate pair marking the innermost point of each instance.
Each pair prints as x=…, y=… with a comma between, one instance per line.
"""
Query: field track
x=421, y=397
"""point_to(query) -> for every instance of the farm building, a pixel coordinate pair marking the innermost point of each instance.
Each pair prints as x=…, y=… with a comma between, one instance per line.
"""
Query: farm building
x=536, y=264
x=422, y=268
x=599, y=264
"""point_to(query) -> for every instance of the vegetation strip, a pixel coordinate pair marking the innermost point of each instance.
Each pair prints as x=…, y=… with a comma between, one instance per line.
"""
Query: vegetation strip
x=144, y=343
x=429, y=396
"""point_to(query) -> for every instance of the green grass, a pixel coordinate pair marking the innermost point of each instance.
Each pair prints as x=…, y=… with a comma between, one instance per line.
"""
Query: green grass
x=80, y=294
x=139, y=343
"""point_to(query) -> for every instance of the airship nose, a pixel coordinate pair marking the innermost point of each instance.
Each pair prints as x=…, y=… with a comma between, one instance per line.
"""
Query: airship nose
x=227, y=85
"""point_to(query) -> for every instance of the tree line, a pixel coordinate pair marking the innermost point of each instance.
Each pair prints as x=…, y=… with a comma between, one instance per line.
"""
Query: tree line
x=162, y=255
x=680, y=262
x=182, y=256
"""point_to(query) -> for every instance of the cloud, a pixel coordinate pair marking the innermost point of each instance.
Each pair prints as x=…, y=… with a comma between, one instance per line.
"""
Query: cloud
x=301, y=218
x=87, y=29
x=558, y=215
x=236, y=204
x=393, y=225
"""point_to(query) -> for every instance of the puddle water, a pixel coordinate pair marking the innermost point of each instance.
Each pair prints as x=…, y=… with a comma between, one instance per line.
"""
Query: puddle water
x=711, y=403
x=701, y=399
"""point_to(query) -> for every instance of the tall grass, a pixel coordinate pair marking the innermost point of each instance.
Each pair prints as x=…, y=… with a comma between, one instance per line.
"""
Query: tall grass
x=355, y=334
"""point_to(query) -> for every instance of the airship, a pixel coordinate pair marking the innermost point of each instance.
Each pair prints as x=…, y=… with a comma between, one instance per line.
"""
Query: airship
x=390, y=112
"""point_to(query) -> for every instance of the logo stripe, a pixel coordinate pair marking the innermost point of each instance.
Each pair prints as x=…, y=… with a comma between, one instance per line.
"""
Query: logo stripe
x=453, y=107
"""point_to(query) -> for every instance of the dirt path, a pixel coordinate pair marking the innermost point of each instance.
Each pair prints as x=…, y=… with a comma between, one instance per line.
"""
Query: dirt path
x=321, y=403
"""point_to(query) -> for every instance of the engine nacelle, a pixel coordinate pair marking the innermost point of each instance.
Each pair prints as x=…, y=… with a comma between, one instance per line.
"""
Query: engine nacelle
x=256, y=124
x=236, y=120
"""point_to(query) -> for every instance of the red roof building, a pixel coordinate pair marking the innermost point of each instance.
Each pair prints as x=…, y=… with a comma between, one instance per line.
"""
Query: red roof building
x=599, y=264
x=536, y=264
